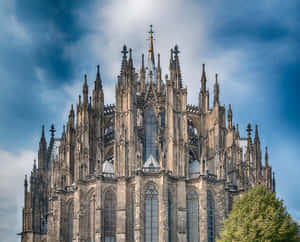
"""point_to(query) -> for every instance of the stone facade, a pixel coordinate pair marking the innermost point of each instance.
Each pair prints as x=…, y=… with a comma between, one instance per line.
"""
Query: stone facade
x=148, y=168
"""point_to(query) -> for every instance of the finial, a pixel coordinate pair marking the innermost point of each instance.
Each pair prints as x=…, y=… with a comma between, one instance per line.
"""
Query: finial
x=79, y=98
x=143, y=63
x=98, y=78
x=130, y=53
x=124, y=51
x=25, y=180
x=158, y=60
x=249, y=130
x=266, y=157
x=52, y=131
x=85, y=79
x=72, y=109
x=216, y=78
x=150, y=50
x=34, y=164
x=203, y=79
x=176, y=50
x=43, y=130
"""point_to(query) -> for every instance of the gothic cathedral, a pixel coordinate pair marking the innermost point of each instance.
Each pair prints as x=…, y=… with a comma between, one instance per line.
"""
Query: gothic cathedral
x=148, y=168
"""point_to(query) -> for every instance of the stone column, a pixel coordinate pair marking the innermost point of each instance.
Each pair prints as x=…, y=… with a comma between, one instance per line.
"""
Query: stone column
x=121, y=211
x=98, y=215
x=181, y=211
x=138, y=226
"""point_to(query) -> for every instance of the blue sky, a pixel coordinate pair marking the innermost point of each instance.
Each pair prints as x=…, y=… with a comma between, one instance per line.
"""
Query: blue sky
x=47, y=46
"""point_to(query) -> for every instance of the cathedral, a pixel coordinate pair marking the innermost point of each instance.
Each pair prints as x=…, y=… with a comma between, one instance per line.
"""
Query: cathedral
x=148, y=168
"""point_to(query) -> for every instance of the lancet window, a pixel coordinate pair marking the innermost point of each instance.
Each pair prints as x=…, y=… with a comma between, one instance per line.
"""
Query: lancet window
x=150, y=124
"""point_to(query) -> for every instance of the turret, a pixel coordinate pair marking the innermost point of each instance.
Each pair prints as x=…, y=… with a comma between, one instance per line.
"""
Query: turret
x=216, y=92
x=229, y=117
x=42, y=153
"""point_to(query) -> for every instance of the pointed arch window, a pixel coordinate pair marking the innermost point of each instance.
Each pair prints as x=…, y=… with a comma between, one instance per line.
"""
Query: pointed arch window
x=70, y=222
x=192, y=217
x=151, y=214
x=210, y=217
x=150, y=125
x=109, y=217
x=91, y=221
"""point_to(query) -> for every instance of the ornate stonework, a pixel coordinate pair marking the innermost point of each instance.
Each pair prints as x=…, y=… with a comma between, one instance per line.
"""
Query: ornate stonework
x=148, y=168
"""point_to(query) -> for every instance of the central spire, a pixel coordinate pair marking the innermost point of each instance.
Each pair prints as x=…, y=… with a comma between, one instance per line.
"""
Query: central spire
x=150, y=50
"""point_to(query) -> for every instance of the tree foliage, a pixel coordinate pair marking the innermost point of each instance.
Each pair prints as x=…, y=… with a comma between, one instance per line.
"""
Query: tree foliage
x=259, y=216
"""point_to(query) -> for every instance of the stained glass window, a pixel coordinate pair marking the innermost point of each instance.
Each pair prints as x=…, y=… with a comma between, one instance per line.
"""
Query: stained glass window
x=210, y=217
x=192, y=217
x=110, y=217
x=150, y=134
x=151, y=214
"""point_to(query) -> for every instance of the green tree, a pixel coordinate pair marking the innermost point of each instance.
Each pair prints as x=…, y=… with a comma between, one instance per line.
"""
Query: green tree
x=259, y=216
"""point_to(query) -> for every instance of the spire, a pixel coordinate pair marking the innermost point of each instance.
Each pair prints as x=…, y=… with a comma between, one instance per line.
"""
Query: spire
x=266, y=157
x=42, y=153
x=216, y=92
x=151, y=50
x=171, y=66
x=158, y=74
x=177, y=67
x=256, y=138
x=130, y=62
x=248, y=152
x=237, y=134
x=98, y=82
x=203, y=79
x=142, y=73
x=229, y=117
x=124, y=59
x=85, y=91
x=143, y=64
x=25, y=182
